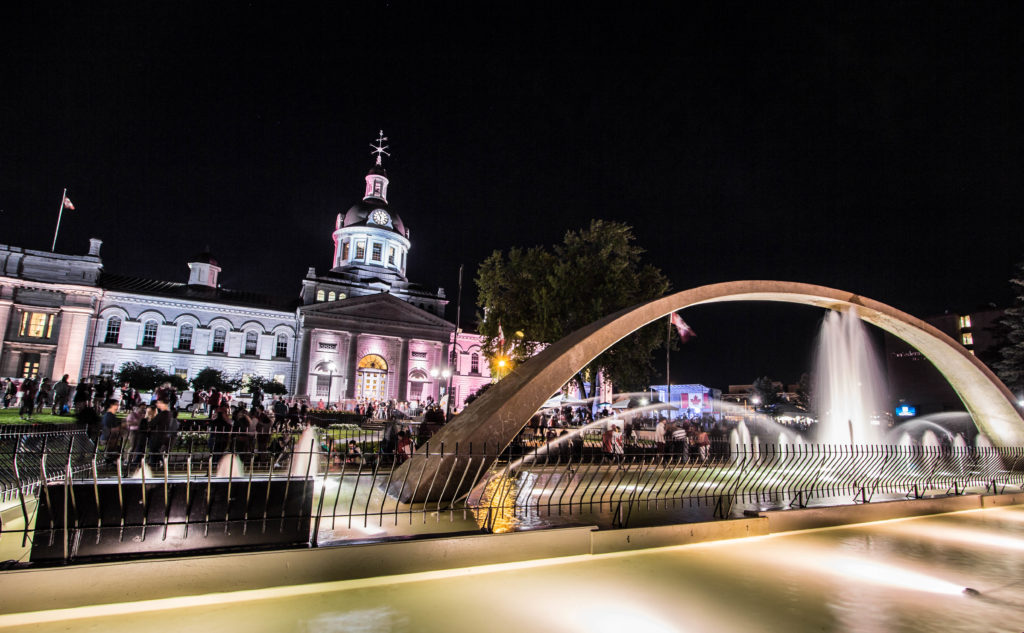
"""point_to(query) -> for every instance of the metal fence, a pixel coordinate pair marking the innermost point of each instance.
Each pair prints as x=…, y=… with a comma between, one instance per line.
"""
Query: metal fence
x=196, y=490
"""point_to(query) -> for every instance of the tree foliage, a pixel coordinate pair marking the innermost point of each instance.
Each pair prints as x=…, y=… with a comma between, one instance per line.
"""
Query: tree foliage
x=147, y=377
x=767, y=393
x=1010, y=367
x=209, y=378
x=265, y=385
x=547, y=293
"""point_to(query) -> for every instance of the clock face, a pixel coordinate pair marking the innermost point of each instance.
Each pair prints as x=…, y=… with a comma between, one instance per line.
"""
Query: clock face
x=380, y=216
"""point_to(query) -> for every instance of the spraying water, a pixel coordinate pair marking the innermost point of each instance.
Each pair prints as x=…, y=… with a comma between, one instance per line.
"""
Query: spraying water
x=849, y=386
x=230, y=465
x=306, y=454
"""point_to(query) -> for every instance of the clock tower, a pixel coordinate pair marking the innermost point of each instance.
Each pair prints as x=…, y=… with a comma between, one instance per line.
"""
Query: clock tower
x=371, y=244
x=370, y=239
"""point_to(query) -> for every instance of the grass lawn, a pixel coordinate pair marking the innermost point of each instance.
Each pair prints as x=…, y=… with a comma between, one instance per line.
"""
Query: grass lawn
x=10, y=416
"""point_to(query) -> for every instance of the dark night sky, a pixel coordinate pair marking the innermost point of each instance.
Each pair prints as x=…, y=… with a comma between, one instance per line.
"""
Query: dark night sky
x=874, y=148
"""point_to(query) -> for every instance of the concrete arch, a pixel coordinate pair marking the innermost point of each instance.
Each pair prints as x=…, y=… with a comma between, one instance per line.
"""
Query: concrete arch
x=495, y=418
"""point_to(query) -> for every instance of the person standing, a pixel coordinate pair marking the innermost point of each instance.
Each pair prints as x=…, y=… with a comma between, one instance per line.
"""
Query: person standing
x=28, y=398
x=61, y=391
x=660, y=434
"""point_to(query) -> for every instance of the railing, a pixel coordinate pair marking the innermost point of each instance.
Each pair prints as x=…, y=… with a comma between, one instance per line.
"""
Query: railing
x=198, y=490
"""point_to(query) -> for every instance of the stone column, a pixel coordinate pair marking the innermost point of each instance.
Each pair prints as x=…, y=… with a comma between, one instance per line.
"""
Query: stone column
x=71, y=343
x=6, y=306
x=302, y=368
x=351, y=368
x=403, y=372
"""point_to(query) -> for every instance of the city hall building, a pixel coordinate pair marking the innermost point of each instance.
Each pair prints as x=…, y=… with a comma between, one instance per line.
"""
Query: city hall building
x=360, y=330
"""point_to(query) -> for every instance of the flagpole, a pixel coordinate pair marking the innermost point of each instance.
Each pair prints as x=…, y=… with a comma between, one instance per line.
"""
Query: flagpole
x=60, y=213
x=668, y=375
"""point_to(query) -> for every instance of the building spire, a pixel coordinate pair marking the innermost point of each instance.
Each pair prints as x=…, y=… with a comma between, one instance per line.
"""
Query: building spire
x=380, y=148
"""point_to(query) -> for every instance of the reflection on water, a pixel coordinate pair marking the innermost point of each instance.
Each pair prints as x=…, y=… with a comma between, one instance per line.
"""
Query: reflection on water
x=902, y=576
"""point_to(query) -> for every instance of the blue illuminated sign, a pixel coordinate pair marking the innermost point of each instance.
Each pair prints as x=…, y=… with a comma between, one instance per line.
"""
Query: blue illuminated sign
x=905, y=411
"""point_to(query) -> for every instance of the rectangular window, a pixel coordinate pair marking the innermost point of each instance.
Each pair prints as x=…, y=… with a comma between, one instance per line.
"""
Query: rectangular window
x=391, y=255
x=965, y=322
x=378, y=249
x=36, y=325
x=279, y=378
x=181, y=373
x=360, y=250
x=967, y=338
x=149, y=334
x=218, y=340
x=323, y=386
x=29, y=365
x=107, y=369
x=344, y=251
x=282, y=347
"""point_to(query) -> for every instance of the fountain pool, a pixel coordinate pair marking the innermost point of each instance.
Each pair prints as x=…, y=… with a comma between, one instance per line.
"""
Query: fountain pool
x=893, y=576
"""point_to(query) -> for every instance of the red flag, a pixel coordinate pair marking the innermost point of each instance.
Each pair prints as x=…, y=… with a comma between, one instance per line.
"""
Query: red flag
x=68, y=205
x=685, y=331
x=501, y=338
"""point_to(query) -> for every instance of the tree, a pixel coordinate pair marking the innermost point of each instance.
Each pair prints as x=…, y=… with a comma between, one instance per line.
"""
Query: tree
x=209, y=378
x=805, y=392
x=265, y=385
x=147, y=377
x=1010, y=367
x=766, y=392
x=546, y=294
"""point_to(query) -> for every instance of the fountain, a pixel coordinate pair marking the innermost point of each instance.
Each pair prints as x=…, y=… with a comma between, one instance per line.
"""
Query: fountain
x=305, y=460
x=230, y=465
x=850, y=391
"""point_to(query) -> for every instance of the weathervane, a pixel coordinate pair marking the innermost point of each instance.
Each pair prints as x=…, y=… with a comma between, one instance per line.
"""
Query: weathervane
x=380, y=147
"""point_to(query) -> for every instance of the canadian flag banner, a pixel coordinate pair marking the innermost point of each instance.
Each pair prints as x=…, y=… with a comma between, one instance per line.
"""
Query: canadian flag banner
x=685, y=331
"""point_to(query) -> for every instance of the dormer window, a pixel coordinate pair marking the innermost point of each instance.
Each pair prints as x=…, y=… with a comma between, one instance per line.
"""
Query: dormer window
x=360, y=250
x=377, y=250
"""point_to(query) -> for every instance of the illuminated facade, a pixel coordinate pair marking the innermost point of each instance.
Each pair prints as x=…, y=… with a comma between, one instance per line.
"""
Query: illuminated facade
x=359, y=331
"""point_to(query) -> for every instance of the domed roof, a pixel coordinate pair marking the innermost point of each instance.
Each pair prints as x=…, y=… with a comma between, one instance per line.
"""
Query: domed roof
x=359, y=215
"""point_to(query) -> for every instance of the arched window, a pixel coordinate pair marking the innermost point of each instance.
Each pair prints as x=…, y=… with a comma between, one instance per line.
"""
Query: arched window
x=113, y=330
x=250, y=343
x=474, y=364
x=185, y=337
x=218, y=340
x=331, y=296
x=282, y=346
x=319, y=295
x=149, y=334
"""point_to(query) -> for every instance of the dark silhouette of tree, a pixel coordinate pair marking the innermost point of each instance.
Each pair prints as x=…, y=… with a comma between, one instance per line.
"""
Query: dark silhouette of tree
x=540, y=295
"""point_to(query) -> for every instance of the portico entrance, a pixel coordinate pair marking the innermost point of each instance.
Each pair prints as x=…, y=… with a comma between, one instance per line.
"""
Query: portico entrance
x=372, y=378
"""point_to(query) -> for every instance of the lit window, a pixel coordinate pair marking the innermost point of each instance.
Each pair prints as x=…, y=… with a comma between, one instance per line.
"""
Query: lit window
x=218, y=340
x=29, y=365
x=181, y=373
x=341, y=295
x=474, y=364
x=113, y=330
x=319, y=295
x=391, y=255
x=965, y=322
x=377, y=185
x=250, y=342
x=36, y=325
x=107, y=369
x=282, y=346
x=279, y=378
x=149, y=334
x=331, y=296
x=378, y=249
x=344, y=251
x=967, y=338
x=185, y=337
x=360, y=250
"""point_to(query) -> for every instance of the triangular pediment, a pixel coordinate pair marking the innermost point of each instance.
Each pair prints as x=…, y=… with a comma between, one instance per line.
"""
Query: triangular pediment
x=377, y=307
